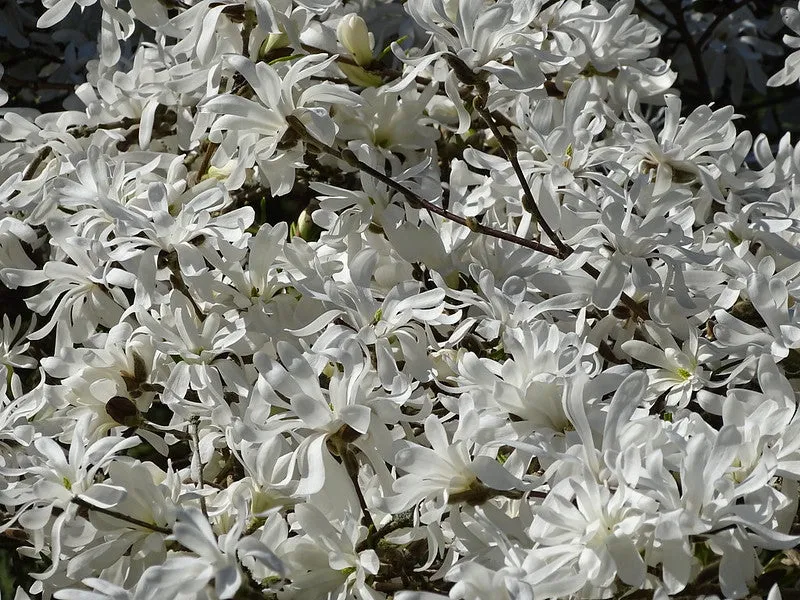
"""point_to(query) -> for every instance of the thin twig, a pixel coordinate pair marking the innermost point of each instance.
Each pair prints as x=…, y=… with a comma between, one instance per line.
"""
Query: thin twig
x=350, y=462
x=398, y=522
x=211, y=147
x=509, y=147
x=118, y=515
x=417, y=201
x=40, y=157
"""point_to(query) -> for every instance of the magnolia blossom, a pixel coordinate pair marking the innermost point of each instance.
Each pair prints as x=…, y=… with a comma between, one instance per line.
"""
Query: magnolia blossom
x=216, y=558
x=770, y=298
x=680, y=369
x=790, y=71
x=264, y=120
x=599, y=524
x=484, y=34
x=87, y=292
x=326, y=561
x=453, y=299
x=353, y=35
x=676, y=156
x=446, y=471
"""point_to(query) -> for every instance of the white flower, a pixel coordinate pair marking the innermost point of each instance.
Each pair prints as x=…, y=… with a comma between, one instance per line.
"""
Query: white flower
x=264, y=119
x=770, y=297
x=172, y=222
x=682, y=152
x=355, y=37
x=390, y=120
x=14, y=345
x=791, y=70
x=680, y=372
x=480, y=35
x=447, y=473
x=325, y=559
x=201, y=344
x=631, y=243
x=82, y=294
x=602, y=531
x=51, y=480
x=216, y=557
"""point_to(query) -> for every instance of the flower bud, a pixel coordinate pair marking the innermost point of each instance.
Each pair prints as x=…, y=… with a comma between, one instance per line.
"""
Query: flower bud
x=273, y=41
x=353, y=34
x=305, y=225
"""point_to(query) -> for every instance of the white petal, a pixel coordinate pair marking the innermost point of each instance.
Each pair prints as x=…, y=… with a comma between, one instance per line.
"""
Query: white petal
x=104, y=495
x=647, y=353
x=227, y=581
x=494, y=475
x=55, y=14
x=193, y=531
x=250, y=546
x=608, y=287
x=357, y=417
x=314, y=413
x=630, y=566
x=312, y=465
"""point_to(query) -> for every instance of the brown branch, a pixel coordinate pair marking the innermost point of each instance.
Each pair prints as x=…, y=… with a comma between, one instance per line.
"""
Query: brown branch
x=118, y=515
x=416, y=201
x=509, y=147
x=211, y=147
x=40, y=157
x=195, y=425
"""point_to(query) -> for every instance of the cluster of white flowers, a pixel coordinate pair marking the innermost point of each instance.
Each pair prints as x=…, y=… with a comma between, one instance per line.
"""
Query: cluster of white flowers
x=534, y=335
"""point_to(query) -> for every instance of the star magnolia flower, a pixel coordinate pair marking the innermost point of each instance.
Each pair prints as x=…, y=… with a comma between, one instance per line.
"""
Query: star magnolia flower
x=216, y=558
x=52, y=479
x=80, y=295
x=326, y=558
x=446, y=471
x=631, y=243
x=264, y=118
x=355, y=37
x=791, y=70
x=602, y=530
x=484, y=33
x=770, y=297
x=679, y=369
x=682, y=152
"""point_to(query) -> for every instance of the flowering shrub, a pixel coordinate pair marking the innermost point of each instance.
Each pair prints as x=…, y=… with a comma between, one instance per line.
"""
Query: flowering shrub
x=530, y=331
